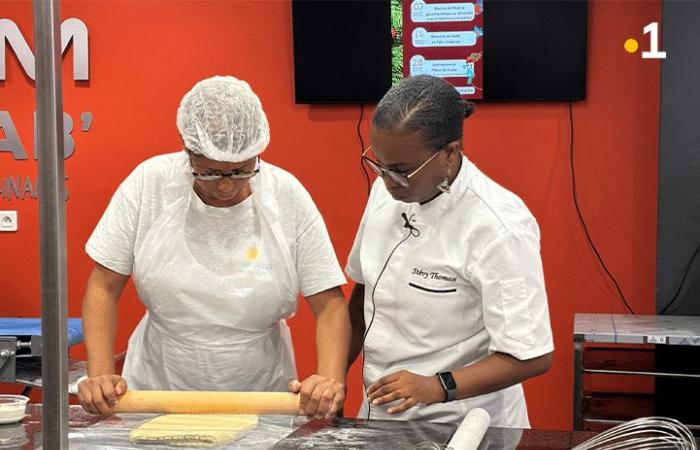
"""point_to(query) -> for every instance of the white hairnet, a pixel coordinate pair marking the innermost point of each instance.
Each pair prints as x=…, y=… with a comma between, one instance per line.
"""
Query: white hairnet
x=222, y=119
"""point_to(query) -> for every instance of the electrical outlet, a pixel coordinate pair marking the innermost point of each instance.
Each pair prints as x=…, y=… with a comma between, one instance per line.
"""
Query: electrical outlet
x=8, y=220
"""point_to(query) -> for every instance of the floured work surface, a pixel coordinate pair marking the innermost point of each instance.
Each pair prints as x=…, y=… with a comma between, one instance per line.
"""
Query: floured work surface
x=360, y=434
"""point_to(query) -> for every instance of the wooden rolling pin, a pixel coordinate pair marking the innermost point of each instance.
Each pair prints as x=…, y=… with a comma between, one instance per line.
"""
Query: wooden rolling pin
x=208, y=402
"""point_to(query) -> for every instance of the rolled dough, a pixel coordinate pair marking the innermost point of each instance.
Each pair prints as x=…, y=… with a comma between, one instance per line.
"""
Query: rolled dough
x=193, y=430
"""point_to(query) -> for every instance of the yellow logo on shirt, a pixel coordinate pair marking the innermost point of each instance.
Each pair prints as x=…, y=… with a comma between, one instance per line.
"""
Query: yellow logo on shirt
x=252, y=253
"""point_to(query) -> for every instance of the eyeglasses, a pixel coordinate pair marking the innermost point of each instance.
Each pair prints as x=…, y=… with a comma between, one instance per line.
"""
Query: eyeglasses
x=234, y=175
x=397, y=177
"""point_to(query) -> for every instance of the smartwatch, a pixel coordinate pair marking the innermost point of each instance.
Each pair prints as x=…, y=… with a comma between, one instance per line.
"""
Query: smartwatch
x=448, y=384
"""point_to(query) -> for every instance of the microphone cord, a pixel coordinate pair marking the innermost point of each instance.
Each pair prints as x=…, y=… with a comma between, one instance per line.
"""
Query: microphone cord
x=412, y=232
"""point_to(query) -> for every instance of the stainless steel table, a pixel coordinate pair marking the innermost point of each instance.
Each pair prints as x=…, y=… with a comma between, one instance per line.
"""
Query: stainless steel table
x=627, y=329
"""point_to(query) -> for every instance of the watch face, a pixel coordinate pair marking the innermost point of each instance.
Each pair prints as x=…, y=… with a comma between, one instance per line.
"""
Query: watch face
x=449, y=380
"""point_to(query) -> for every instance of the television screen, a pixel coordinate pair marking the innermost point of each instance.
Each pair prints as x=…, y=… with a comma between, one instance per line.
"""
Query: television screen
x=342, y=50
x=351, y=51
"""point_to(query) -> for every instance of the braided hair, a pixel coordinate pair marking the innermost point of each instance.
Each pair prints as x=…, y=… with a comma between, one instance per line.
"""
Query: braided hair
x=424, y=104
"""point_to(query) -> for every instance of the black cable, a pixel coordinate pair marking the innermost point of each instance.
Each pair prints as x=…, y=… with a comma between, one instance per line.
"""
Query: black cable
x=413, y=231
x=686, y=271
x=362, y=147
x=580, y=215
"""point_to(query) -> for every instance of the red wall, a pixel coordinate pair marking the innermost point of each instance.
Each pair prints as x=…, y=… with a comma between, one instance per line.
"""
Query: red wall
x=146, y=55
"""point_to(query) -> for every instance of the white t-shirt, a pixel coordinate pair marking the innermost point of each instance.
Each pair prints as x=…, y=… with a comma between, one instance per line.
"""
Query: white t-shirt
x=468, y=283
x=148, y=191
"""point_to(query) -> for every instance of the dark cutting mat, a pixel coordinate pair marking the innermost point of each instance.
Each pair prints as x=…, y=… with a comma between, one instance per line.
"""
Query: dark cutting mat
x=360, y=434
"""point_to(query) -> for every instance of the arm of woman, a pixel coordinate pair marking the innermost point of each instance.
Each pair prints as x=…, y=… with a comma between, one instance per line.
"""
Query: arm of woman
x=98, y=393
x=493, y=373
x=332, y=332
x=323, y=394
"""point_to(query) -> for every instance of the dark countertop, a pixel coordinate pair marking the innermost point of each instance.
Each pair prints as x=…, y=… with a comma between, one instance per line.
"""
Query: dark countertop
x=283, y=432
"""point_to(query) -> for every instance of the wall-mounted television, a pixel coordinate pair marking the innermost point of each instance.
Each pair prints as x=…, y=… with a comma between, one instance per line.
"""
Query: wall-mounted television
x=351, y=51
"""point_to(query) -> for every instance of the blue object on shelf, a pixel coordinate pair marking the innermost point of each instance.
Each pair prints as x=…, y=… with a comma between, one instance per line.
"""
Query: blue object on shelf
x=15, y=326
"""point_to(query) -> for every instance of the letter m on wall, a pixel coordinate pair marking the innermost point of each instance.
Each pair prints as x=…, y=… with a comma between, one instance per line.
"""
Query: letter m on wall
x=71, y=30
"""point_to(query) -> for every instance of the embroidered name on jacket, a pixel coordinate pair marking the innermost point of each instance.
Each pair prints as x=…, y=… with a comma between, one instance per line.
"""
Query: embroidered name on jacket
x=424, y=274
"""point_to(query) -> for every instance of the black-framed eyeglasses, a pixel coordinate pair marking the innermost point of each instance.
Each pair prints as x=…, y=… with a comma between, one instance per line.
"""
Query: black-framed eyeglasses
x=397, y=177
x=233, y=175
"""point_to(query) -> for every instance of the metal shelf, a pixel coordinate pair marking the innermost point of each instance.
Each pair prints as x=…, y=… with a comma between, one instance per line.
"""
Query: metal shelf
x=624, y=345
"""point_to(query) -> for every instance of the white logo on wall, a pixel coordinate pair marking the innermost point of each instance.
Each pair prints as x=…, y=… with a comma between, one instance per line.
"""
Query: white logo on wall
x=72, y=31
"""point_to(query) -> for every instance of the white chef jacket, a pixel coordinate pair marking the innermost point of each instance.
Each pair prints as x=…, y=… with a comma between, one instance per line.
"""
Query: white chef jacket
x=467, y=283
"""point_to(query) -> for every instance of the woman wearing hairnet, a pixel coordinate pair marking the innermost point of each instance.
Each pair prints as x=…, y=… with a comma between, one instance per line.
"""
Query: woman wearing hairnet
x=219, y=244
x=449, y=304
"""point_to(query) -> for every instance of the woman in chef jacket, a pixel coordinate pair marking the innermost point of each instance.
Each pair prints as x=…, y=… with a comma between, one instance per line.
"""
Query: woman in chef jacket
x=219, y=245
x=449, y=305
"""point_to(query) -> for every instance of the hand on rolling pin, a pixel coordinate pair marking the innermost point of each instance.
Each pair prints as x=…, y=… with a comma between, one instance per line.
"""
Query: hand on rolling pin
x=412, y=388
x=319, y=397
x=99, y=394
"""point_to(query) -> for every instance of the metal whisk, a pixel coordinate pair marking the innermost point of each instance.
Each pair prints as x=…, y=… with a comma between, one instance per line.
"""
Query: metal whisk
x=647, y=433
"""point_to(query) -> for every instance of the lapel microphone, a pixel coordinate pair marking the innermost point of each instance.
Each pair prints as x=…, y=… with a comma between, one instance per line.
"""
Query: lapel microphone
x=407, y=224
